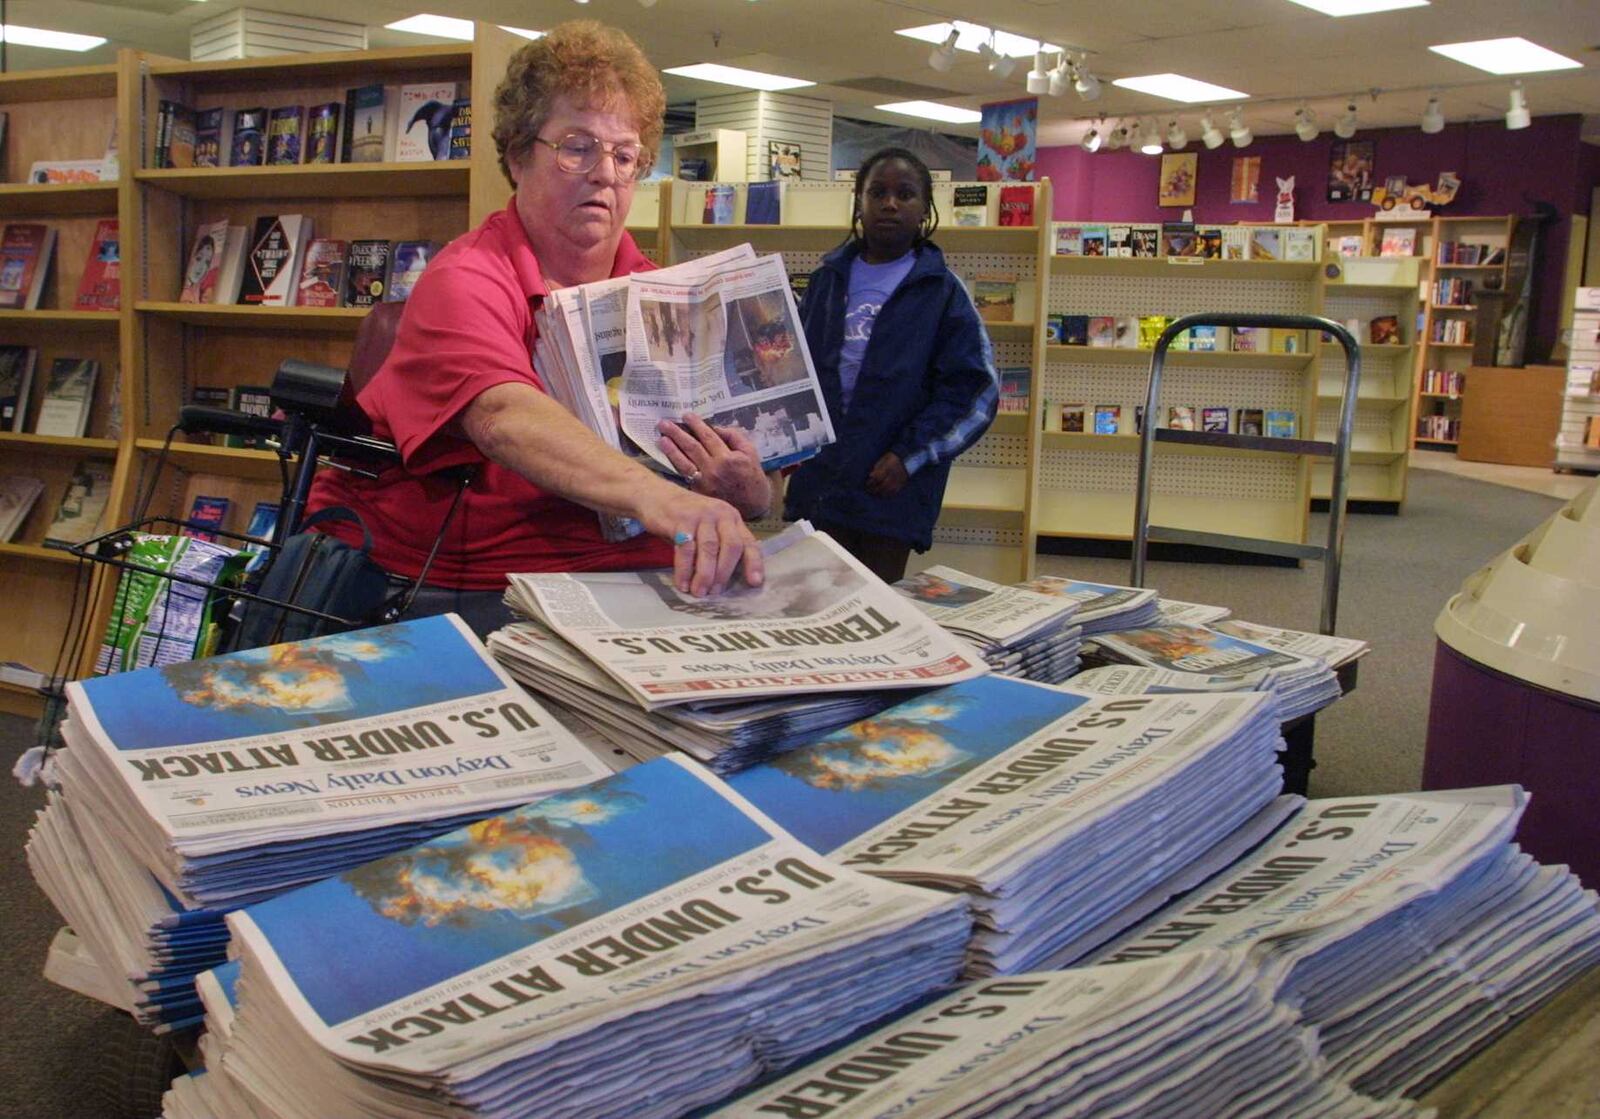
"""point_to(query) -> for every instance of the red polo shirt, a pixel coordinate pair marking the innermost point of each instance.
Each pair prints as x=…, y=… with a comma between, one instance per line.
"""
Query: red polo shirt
x=468, y=326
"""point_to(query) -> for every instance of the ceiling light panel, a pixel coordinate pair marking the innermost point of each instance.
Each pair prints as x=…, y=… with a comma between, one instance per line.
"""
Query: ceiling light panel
x=1358, y=7
x=440, y=27
x=1176, y=87
x=932, y=110
x=1506, y=56
x=969, y=36
x=733, y=75
x=50, y=40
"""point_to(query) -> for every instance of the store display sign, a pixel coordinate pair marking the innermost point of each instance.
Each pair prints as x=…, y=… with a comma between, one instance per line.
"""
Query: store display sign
x=1008, y=141
x=1350, y=167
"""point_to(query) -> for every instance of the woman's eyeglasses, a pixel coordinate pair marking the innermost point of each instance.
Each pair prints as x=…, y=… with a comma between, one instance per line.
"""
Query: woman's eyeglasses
x=578, y=153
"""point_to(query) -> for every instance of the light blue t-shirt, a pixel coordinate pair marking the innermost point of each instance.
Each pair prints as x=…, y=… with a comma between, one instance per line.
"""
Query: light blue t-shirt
x=871, y=285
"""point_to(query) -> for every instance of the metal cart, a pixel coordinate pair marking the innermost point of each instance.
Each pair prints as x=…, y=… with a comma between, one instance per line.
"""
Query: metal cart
x=1297, y=759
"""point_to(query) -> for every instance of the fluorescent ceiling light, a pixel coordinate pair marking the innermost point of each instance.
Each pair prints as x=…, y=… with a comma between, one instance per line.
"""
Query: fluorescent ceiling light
x=1506, y=56
x=523, y=31
x=1358, y=7
x=932, y=110
x=732, y=75
x=969, y=36
x=440, y=27
x=50, y=40
x=1176, y=87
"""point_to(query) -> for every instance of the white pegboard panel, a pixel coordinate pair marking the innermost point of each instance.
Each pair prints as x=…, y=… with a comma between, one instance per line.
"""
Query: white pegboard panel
x=1088, y=383
x=997, y=450
x=1370, y=426
x=1364, y=306
x=1175, y=295
x=1265, y=477
x=1000, y=537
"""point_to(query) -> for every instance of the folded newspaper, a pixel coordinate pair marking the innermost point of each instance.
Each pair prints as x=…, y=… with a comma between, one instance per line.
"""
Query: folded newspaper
x=1101, y=606
x=1407, y=929
x=1169, y=1039
x=1020, y=633
x=1066, y=817
x=641, y=947
x=195, y=787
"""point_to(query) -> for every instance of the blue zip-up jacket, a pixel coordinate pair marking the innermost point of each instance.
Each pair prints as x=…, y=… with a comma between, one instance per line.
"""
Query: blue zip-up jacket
x=927, y=390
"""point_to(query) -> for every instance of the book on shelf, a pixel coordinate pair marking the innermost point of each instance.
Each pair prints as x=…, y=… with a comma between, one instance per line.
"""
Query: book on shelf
x=1138, y=419
x=215, y=265
x=100, y=287
x=1119, y=240
x=1384, y=330
x=764, y=203
x=26, y=252
x=365, y=108
x=1107, y=419
x=322, y=279
x=425, y=112
x=286, y=130
x=461, y=129
x=1280, y=424
x=722, y=202
x=1102, y=330
x=368, y=272
x=1244, y=339
x=1182, y=417
x=995, y=293
x=1150, y=328
x=1299, y=244
x=1075, y=330
x=694, y=169
x=208, y=126
x=273, y=260
x=1266, y=243
x=1145, y=241
x=799, y=284
x=1398, y=241
x=68, y=397
x=1074, y=417
x=1069, y=239
x=176, y=135
x=1208, y=242
x=1214, y=419
x=1095, y=240
x=1349, y=245
x=83, y=504
x=263, y=519
x=18, y=492
x=16, y=382
x=1016, y=205
x=1055, y=330
x=248, y=147
x=253, y=400
x=1452, y=332
x=1127, y=332
x=60, y=172
x=409, y=261
x=1495, y=255
x=1203, y=339
x=1249, y=421
x=206, y=517
x=1014, y=382
x=1280, y=341
x=1236, y=243
x=969, y=206
x=1178, y=239
x=322, y=133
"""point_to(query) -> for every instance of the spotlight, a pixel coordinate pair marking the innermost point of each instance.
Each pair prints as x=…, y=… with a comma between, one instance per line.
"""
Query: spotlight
x=1117, y=138
x=1305, y=124
x=1518, y=116
x=1210, y=134
x=1345, y=126
x=1087, y=85
x=1238, y=131
x=1093, y=138
x=1152, y=139
x=1432, y=117
x=1177, y=138
x=1060, y=77
x=1136, y=136
x=1038, y=77
x=943, y=56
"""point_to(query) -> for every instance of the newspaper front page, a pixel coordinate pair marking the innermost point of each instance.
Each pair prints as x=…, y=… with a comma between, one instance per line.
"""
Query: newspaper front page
x=819, y=622
x=987, y=612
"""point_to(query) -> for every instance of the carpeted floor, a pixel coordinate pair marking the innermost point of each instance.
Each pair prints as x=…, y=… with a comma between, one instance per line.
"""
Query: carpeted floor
x=1398, y=572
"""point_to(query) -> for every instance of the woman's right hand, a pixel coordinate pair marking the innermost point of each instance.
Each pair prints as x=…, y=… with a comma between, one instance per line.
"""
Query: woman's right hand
x=709, y=539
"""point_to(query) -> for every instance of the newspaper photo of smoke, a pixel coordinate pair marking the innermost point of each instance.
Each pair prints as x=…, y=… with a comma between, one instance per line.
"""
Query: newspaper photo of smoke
x=763, y=351
x=938, y=591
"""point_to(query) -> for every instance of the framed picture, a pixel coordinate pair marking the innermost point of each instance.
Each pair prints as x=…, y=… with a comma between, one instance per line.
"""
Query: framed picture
x=1246, y=185
x=1350, y=164
x=1178, y=171
x=783, y=159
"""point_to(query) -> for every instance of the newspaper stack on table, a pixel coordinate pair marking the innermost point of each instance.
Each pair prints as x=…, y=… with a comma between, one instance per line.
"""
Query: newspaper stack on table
x=1172, y=612
x=1337, y=651
x=1020, y=632
x=642, y=947
x=1407, y=929
x=734, y=677
x=1169, y=1039
x=1101, y=606
x=1068, y=818
x=1198, y=658
x=718, y=336
x=201, y=786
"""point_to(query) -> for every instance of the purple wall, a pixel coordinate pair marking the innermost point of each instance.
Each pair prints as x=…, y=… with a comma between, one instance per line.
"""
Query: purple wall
x=1547, y=162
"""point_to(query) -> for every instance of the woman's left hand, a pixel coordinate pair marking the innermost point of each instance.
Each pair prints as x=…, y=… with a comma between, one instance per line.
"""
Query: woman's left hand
x=718, y=462
x=888, y=476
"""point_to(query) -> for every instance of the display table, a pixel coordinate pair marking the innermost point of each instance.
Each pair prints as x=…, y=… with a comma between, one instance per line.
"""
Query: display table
x=1511, y=415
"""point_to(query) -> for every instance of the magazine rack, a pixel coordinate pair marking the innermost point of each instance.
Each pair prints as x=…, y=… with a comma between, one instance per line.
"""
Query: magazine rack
x=1297, y=761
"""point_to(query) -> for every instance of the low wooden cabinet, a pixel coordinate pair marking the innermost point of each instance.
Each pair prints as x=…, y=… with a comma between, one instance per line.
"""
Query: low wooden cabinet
x=1511, y=415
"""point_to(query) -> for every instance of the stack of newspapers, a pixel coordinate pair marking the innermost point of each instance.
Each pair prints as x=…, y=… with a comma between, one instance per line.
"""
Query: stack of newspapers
x=732, y=678
x=1197, y=1036
x=643, y=947
x=1020, y=633
x=1407, y=929
x=1173, y=612
x=718, y=336
x=1101, y=606
x=198, y=787
x=1201, y=658
x=1067, y=818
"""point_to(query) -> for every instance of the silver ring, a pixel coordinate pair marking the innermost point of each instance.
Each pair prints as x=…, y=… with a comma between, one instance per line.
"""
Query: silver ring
x=693, y=477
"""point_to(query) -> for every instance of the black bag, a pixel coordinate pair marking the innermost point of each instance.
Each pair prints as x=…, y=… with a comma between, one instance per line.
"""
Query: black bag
x=318, y=572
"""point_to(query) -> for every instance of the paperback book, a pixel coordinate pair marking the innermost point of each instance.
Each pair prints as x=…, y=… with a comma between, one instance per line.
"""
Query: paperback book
x=1266, y=243
x=1074, y=417
x=215, y=266
x=1014, y=382
x=208, y=137
x=996, y=296
x=253, y=400
x=1096, y=240
x=83, y=505
x=263, y=519
x=1181, y=417
x=1178, y=239
x=1075, y=330
x=970, y=206
x=722, y=199
x=1069, y=240
x=426, y=110
x=368, y=272
x=1401, y=241
x=286, y=126
x=18, y=493
x=68, y=396
x=461, y=129
x=1208, y=243
x=1016, y=205
x=1251, y=421
x=1146, y=241
x=100, y=288
x=1299, y=244
x=322, y=280
x=273, y=261
x=364, y=110
x=1119, y=241
x=26, y=252
x=410, y=260
x=1235, y=243
x=1102, y=331
x=322, y=133
x=16, y=380
x=249, y=145
x=206, y=517
x=764, y=203
x=1281, y=425
x=1107, y=419
x=1214, y=419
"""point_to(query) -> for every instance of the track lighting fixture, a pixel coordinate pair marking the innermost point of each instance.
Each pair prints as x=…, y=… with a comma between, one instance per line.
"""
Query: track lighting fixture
x=1433, y=116
x=1177, y=138
x=1060, y=76
x=1517, y=116
x=1000, y=65
x=1093, y=138
x=1210, y=134
x=1305, y=124
x=1238, y=131
x=1152, y=139
x=942, y=57
x=1087, y=85
x=1038, y=77
x=1345, y=126
x=1117, y=138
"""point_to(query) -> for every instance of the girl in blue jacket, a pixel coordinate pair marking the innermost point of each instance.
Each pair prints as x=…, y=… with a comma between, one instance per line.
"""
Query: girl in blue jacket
x=905, y=366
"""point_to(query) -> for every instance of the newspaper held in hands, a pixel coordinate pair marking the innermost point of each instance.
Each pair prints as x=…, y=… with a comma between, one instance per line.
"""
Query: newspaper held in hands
x=820, y=622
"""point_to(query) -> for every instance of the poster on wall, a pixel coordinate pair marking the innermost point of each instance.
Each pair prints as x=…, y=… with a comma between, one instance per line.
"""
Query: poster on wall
x=783, y=159
x=1245, y=186
x=1007, y=141
x=1350, y=171
x=1178, y=171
